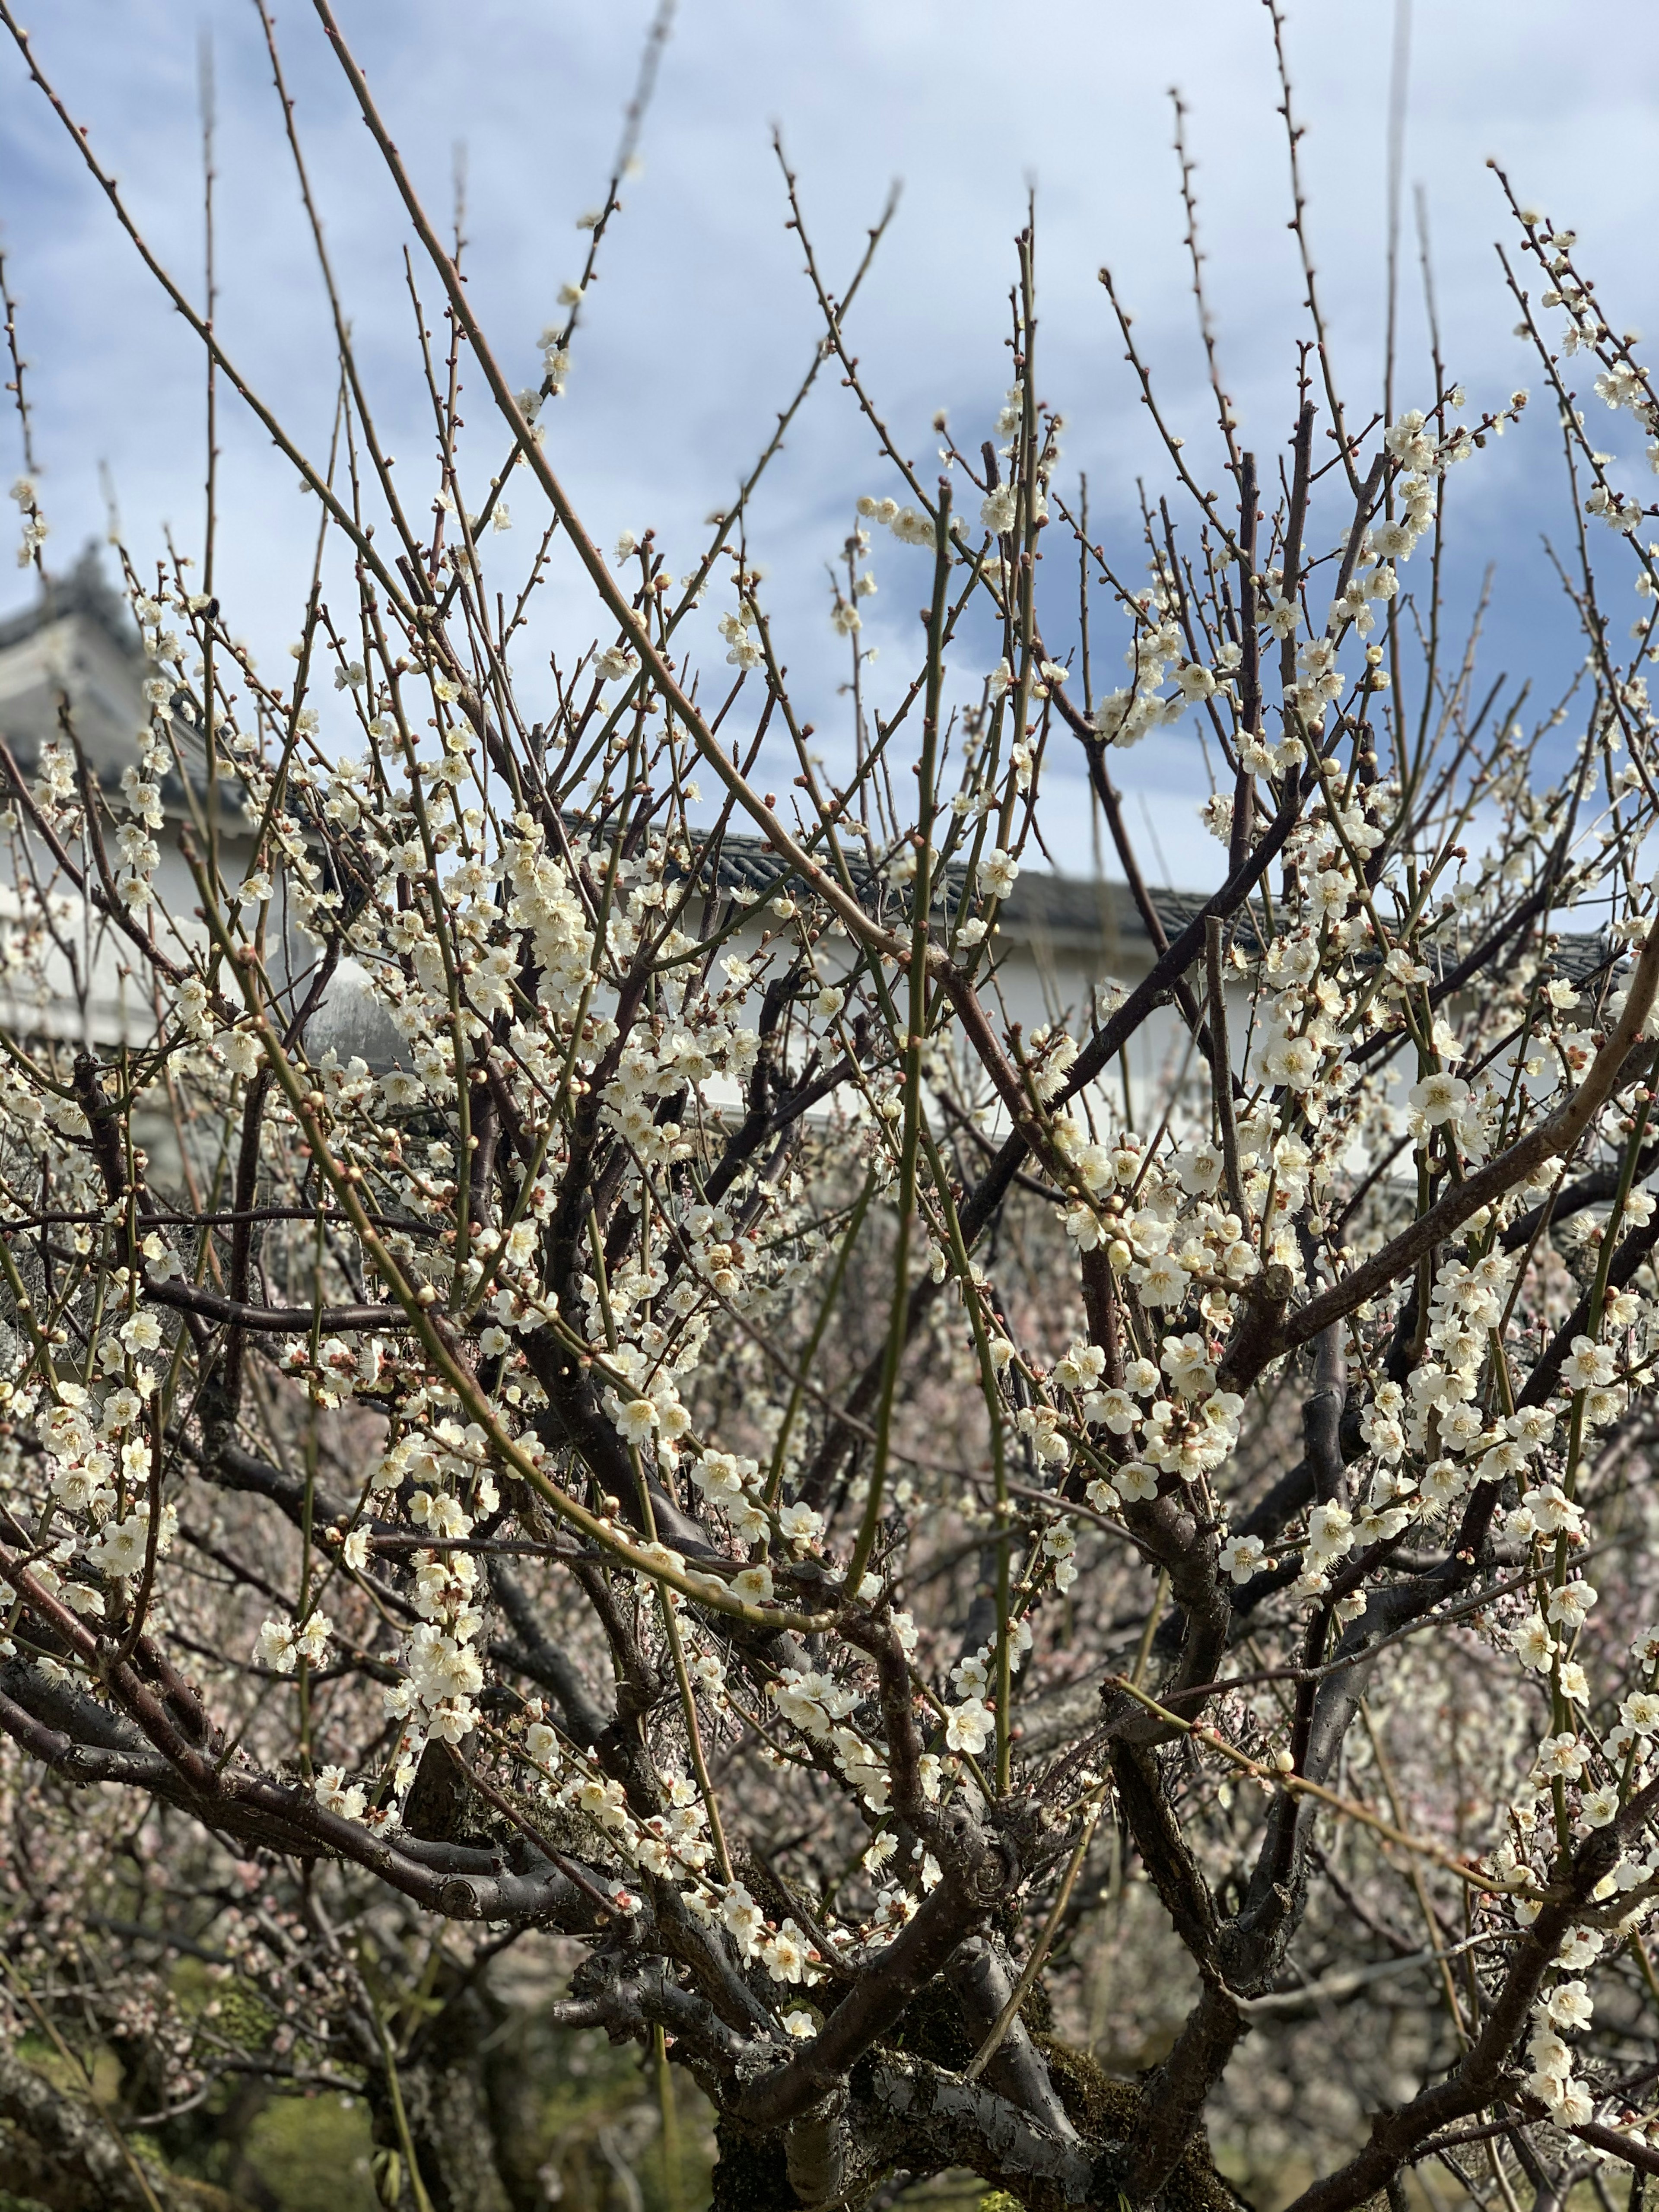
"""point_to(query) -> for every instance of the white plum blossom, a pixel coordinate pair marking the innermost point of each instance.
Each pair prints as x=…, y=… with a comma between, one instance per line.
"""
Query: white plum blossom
x=996, y=873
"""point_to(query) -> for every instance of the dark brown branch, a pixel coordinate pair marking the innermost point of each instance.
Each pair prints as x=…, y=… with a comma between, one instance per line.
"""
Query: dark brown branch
x=954, y=1909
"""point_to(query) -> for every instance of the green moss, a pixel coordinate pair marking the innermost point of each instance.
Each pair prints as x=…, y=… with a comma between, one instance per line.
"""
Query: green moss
x=931, y=2026
x=586, y=2085
x=1098, y=2105
x=1196, y=2186
x=243, y=2017
x=1102, y=2109
x=751, y=2173
x=313, y=2154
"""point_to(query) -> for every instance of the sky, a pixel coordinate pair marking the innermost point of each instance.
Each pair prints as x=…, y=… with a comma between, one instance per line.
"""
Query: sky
x=702, y=322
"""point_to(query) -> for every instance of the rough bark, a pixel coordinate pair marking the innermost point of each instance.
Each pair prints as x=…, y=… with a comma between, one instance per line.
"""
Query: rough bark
x=61, y=2151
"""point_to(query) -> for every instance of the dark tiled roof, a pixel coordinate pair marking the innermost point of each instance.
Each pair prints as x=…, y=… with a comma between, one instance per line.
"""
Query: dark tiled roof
x=1064, y=908
x=1074, y=913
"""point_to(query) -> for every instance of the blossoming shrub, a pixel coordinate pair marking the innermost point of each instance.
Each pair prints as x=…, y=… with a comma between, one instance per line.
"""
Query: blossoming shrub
x=716, y=1458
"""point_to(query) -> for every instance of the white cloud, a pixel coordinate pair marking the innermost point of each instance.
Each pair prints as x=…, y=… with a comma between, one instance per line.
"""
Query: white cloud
x=700, y=322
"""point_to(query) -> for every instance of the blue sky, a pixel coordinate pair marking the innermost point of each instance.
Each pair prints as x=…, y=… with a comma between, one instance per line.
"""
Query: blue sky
x=701, y=322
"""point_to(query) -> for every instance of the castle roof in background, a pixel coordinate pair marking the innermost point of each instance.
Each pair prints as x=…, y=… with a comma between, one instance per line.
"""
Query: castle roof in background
x=1068, y=913
x=77, y=640
x=84, y=591
x=1089, y=919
